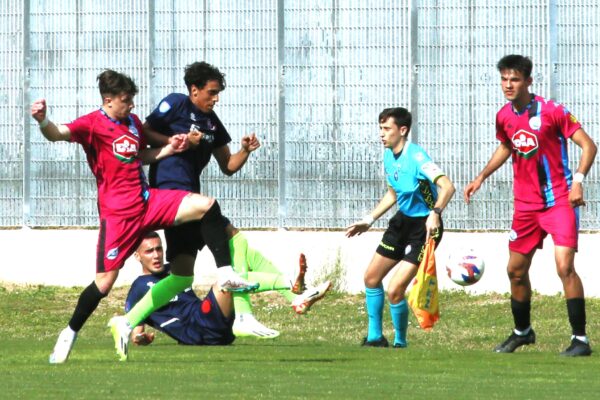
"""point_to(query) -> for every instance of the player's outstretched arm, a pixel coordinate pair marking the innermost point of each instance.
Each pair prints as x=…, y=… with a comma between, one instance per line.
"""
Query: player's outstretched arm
x=153, y=137
x=232, y=163
x=501, y=154
x=386, y=202
x=51, y=131
x=157, y=139
x=149, y=155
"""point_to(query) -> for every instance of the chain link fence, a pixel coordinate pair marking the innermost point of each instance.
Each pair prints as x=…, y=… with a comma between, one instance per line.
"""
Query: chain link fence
x=310, y=78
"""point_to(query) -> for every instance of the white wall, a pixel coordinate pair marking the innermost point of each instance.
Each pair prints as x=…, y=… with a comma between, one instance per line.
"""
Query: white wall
x=67, y=258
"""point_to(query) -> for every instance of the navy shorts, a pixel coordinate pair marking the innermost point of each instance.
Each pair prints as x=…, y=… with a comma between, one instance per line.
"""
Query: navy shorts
x=404, y=238
x=210, y=325
x=186, y=239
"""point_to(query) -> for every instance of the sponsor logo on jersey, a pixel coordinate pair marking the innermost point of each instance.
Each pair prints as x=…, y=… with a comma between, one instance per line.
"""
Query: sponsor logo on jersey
x=125, y=148
x=512, y=236
x=209, y=137
x=525, y=143
x=573, y=118
x=112, y=253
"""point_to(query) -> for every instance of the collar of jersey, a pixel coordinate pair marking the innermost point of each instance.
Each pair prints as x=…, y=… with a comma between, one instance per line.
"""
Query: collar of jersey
x=116, y=121
x=527, y=107
x=403, y=151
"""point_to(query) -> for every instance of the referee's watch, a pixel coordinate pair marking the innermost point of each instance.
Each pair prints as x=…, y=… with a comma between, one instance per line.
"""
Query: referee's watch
x=437, y=210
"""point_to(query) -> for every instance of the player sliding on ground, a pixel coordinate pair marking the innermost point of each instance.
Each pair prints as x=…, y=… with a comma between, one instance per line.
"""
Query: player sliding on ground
x=187, y=318
x=128, y=208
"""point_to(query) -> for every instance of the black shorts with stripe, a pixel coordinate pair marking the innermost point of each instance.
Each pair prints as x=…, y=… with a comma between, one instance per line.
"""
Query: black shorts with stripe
x=404, y=238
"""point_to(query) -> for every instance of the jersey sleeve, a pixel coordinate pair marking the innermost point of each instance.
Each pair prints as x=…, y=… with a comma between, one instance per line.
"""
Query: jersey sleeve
x=427, y=168
x=500, y=132
x=163, y=115
x=222, y=137
x=80, y=130
x=566, y=122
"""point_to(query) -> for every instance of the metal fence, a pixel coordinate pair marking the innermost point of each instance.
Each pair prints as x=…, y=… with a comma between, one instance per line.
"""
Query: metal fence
x=309, y=77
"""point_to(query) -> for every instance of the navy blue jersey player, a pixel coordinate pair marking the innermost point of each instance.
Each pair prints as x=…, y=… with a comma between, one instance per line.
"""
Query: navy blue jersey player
x=194, y=115
x=186, y=318
x=175, y=114
x=421, y=190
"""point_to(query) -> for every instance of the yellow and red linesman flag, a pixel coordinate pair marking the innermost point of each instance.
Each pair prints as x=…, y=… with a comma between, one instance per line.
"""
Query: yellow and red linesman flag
x=424, y=298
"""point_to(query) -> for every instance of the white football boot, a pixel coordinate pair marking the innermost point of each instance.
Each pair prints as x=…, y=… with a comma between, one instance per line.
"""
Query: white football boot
x=245, y=325
x=303, y=302
x=63, y=346
x=229, y=281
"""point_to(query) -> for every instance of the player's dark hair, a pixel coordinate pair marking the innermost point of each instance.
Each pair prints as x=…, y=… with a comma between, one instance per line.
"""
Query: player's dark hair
x=517, y=62
x=400, y=115
x=151, y=235
x=113, y=83
x=199, y=73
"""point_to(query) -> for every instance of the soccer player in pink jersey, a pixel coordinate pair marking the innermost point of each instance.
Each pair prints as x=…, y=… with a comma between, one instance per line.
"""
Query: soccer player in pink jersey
x=534, y=132
x=115, y=149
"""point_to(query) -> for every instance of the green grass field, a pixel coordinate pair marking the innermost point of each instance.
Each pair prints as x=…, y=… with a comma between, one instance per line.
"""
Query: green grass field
x=316, y=356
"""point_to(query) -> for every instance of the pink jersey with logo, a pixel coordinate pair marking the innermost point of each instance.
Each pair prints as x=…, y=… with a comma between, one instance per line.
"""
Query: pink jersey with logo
x=111, y=148
x=538, y=137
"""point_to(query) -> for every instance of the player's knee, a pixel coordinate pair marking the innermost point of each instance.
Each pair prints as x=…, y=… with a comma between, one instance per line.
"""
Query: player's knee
x=203, y=204
x=566, y=271
x=183, y=265
x=396, y=294
x=371, y=281
x=105, y=284
x=199, y=205
x=518, y=277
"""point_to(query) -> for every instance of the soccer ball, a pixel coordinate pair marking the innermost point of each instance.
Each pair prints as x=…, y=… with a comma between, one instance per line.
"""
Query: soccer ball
x=465, y=267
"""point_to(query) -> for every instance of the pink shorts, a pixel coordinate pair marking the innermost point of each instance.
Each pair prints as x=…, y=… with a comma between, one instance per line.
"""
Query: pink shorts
x=119, y=235
x=529, y=228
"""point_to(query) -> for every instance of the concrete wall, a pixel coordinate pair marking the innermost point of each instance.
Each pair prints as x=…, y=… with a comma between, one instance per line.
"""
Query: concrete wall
x=67, y=258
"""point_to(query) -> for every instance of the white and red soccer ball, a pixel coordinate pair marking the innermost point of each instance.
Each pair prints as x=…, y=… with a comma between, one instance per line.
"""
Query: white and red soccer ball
x=465, y=267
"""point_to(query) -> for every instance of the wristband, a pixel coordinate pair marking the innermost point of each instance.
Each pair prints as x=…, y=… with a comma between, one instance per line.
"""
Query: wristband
x=368, y=219
x=437, y=210
x=578, y=177
x=44, y=123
